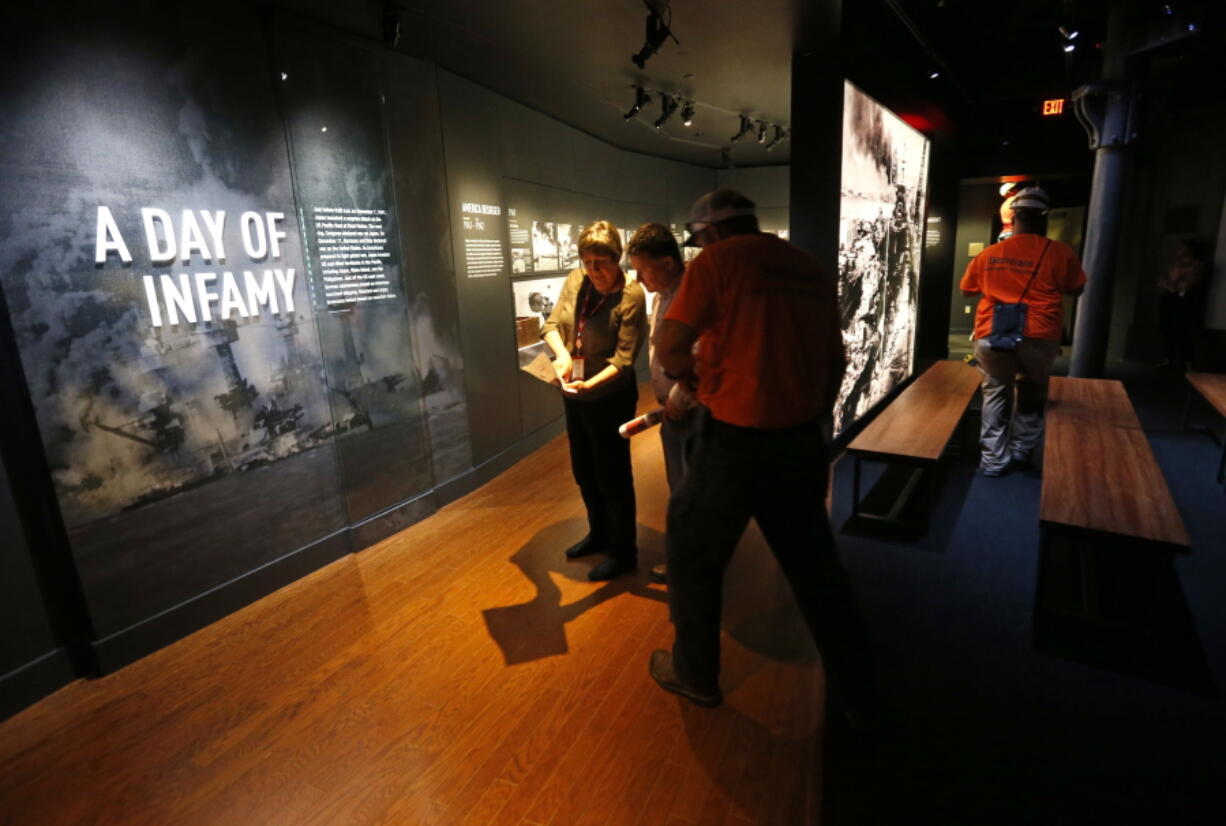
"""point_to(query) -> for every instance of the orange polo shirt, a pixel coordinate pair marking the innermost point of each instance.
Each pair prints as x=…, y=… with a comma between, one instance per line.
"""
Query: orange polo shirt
x=770, y=343
x=1001, y=271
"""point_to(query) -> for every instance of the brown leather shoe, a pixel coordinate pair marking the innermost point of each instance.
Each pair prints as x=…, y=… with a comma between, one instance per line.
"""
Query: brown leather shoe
x=661, y=669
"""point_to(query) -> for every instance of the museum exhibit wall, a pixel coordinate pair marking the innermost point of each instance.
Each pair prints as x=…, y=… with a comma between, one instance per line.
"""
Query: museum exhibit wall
x=32, y=661
x=1175, y=189
x=767, y=186
x=516, y=170
x=252, y=325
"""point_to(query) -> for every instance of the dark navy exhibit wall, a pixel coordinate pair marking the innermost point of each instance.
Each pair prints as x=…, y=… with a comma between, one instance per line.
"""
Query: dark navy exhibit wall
x=151, y=260
x=474, y=175
x=255, y=329
x=333, y=106
x=32, y=662
x=415, y=139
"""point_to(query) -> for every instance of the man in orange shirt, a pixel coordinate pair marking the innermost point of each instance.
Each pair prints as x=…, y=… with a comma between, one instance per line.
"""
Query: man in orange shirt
x=1033, y=270
x=769, y=364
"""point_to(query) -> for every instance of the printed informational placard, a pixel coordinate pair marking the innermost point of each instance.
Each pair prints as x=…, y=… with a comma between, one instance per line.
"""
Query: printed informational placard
x=484, y=256
x=521, y=244
x=348, y=256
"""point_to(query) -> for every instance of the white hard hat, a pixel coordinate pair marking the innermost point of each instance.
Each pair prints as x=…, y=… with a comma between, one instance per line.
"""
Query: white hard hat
x=1032, y=197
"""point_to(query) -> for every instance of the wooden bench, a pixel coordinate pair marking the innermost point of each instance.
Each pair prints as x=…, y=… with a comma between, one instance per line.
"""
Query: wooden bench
x=1104, y=498
x=1212, y=387
x=911, y=433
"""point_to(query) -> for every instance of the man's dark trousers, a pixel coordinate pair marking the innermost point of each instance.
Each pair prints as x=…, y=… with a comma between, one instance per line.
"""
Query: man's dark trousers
x=777, y=477
x=600, y=461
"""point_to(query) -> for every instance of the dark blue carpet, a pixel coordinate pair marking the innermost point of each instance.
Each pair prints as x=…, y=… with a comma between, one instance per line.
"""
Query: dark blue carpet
x=981, y=725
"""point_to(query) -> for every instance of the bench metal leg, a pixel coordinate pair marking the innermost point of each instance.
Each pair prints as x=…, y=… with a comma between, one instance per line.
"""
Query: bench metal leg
x=1221, y=462
x=855, y=486
x=1187, y=410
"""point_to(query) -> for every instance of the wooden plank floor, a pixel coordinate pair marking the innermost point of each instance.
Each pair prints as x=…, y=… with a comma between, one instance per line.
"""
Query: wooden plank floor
x=461, y=671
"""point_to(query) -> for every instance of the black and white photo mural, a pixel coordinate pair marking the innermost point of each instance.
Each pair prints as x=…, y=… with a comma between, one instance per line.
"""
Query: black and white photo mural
x=881, y=232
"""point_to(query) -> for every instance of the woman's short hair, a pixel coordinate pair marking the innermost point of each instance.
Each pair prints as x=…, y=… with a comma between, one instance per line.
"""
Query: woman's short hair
x=601, y=238
x=654, y=241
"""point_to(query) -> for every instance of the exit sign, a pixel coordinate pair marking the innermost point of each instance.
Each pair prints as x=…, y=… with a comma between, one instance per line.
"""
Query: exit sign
x=1053, y=107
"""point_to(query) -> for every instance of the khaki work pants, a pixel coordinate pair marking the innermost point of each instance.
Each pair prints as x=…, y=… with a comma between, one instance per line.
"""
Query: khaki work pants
x=1013, y=429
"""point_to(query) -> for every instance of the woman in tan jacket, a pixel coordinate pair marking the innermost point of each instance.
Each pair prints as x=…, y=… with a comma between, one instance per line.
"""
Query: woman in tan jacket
x=595, y=332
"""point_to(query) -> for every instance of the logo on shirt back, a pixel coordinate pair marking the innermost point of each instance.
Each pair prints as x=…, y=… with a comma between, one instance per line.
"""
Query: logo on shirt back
x=994, y=260
x=785, y=280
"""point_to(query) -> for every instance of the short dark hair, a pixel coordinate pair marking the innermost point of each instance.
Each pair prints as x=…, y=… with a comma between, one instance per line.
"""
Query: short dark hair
x=654, y=240
x=1032, y=220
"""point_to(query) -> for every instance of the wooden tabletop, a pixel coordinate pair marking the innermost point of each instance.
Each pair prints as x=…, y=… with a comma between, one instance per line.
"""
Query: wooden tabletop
x=1102, y=402
x=1213, y=387
x=919, y=423
x=1103, y=477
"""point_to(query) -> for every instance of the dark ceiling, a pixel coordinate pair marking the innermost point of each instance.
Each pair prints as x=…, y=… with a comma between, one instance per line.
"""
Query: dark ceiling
x=997, y=60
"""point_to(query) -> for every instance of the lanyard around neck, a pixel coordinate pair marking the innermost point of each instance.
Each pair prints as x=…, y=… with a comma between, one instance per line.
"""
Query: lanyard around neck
x=586, y=311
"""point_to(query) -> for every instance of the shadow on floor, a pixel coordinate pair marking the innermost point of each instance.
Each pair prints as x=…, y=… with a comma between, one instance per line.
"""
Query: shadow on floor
x=535, y=629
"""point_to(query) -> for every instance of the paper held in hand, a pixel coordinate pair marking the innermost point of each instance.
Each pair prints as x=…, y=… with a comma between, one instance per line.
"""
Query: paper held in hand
x=542, y=368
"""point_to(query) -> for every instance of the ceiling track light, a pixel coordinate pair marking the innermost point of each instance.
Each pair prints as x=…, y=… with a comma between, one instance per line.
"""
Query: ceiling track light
x=641, y=99
x=1068, y=33
x=934, y=74
x=746, y=125
x=780, y=135
x=687, y=113
x=657, y=32
x=1069, y=48
x=762, y=125
x=668, y=105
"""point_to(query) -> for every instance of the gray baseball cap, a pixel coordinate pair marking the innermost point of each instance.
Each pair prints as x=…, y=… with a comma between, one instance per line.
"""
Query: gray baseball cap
x=718, y=205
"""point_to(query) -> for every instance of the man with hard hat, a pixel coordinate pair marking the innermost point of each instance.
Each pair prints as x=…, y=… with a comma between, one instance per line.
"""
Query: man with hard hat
x=1029, y=271
x=768, y=367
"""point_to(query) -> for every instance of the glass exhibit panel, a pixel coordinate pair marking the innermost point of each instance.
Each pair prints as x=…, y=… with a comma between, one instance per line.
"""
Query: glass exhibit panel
x=414, y=138
x=534, y=301
x=151, y=263
x=351, y=231
x=884, y=192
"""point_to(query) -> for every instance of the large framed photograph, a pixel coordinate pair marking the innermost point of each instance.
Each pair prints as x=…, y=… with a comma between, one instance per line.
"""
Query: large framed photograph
x=881, y=224
x=544, y=247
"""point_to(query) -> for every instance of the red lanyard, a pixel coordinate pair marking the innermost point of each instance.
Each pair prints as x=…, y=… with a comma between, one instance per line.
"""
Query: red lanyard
x=585, y=313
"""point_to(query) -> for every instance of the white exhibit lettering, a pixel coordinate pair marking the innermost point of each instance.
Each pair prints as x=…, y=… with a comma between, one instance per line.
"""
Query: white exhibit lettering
x=175, y=298
x=285, y=279
x=151, y=295
x=215, y=222
x=178, y=299
x=275, y=234
x=159, y=252
x=107, y=238
x=231, y=298
x=256, y=247
x=205, y=295
x=260, y=292
x=192, y=239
